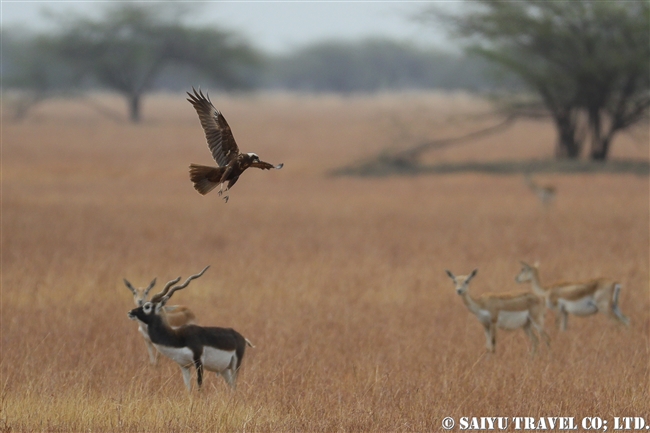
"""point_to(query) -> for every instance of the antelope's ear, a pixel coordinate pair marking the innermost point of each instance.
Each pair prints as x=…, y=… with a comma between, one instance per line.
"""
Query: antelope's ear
x=450, y=275
x=128, y=285
x=160, y=305
x=473, y=274
x=151, y=284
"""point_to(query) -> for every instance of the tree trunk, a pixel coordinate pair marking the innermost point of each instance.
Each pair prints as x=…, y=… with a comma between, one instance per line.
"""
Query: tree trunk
x=134, y=107
x=600, y=148
x=567, y=145
x=599, y=141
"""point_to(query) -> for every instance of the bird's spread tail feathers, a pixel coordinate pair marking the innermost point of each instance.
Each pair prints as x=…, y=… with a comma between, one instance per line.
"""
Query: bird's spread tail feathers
x=201, y=176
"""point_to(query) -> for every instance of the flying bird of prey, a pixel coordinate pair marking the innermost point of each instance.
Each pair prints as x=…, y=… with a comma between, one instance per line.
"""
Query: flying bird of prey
x=224, y=150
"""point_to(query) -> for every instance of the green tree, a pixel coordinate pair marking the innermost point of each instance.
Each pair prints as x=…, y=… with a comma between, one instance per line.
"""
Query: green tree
x=130, y=45
x=30, y=66
x=584, y=59
x=372, y=65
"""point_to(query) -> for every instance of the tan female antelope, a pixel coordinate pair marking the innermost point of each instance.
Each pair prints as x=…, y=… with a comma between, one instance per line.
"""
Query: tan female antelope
x=175, y=315
x=545, y=193
x=215, y=349
x=506, y=311
x=577, y=298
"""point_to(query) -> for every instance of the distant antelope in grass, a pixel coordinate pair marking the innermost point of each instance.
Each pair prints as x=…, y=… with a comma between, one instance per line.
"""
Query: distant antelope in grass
x=215, y=349
x=506, y=311
x=577, y=298
x=545, y=193
x=175, y=315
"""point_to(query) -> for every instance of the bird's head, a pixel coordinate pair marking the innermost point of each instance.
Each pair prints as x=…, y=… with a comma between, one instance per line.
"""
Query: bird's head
x=253, y=157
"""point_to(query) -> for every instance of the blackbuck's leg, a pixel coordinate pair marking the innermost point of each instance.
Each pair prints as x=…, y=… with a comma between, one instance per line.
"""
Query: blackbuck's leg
x=562, y=318
x=230, y=373
x=537, y=321
x=614, y=310
x=187, y=377
x=199, y=371
x=227, y=376
x=234, y=373
x=153, y=353
x=617, y=314
x=493, y=331
x=540, y=329
x=490, y=337
x=531, y=335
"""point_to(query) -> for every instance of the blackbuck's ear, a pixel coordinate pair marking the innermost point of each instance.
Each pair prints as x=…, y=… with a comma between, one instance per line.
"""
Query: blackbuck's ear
x=160, y=305
x=151, y=284
x=128, y=285
x=450, y=275
x=472, y=275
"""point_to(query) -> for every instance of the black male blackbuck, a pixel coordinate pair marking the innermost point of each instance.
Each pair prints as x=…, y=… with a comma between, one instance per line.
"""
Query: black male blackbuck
x=220, y=350
x=175, y=315
x=578, y=298
x=506, y=311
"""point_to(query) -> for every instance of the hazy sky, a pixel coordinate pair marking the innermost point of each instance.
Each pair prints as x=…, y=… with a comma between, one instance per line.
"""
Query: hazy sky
x=273, y=25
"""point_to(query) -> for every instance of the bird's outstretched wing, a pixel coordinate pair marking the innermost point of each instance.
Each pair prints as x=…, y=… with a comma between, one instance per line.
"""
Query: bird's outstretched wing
x=266, y=166
x=217, y=132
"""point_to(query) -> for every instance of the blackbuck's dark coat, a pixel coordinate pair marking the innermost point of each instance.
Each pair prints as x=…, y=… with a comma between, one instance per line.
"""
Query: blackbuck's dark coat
x=188, y=345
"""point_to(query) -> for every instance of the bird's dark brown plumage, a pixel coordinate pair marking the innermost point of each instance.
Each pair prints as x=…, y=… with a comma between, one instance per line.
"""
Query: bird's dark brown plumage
x=223, y=147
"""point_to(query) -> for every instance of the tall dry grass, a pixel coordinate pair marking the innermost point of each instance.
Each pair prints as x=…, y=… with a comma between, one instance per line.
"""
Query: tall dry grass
x=339, y=282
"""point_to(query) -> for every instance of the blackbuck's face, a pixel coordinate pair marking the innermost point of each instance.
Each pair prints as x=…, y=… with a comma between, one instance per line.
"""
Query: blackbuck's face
x=145, y=312
x=525, y=275
x=140, y=294
x=148, y=309
x=139, y=297
x=462, y=281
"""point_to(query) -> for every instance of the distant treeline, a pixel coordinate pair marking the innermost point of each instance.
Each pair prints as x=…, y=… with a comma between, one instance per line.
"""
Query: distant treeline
x=334, y=66
x=378, y=65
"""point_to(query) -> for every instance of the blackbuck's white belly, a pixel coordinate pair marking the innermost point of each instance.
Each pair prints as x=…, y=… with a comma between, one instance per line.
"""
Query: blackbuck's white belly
x=218, y=360
x=580, y=307
x=180, y=355
x=512, y=319
x=212, y=359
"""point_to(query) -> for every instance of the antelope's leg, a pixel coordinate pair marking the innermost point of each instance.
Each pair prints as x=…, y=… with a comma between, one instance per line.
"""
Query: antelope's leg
x=531, y=335
x=153, y=353
x=199, y=371
x=187, y=377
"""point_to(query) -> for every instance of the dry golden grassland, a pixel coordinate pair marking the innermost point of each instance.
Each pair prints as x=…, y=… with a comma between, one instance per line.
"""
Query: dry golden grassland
x=338, y=281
